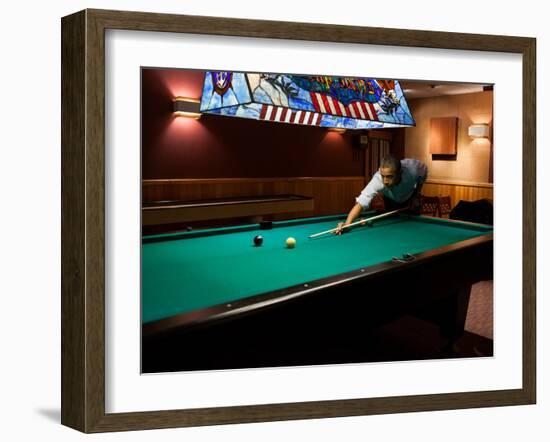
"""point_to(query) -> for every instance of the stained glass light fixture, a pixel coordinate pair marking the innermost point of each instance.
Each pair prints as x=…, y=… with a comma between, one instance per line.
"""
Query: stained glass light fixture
x=325, y=101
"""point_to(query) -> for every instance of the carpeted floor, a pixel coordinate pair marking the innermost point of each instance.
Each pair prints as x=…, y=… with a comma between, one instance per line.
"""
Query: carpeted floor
x=480, y=310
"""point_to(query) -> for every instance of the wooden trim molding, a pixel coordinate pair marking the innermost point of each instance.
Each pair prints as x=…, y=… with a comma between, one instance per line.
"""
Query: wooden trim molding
x=168, y=181
x=458, y=190
x=458, y=183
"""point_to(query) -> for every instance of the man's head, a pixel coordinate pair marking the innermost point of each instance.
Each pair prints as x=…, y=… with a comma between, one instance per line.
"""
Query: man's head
x=390, y=169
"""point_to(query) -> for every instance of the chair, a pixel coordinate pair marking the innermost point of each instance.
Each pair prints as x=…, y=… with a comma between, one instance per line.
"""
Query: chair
x=377, y=203
x=480, y=211
x=444, y=206
x=429, y=205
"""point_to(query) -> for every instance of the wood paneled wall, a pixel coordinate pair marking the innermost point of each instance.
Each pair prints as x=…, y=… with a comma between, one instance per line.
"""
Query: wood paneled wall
x=331, y=195
x=473, y=158
x=458, y=190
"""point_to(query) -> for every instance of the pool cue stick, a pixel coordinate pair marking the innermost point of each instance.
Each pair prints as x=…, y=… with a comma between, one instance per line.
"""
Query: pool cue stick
x=383, y=215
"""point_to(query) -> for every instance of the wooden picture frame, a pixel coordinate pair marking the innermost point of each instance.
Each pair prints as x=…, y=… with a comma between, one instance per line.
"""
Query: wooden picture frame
x=83, y=220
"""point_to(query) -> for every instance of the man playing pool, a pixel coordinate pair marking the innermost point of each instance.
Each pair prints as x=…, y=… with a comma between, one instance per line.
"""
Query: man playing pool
x=399, y=182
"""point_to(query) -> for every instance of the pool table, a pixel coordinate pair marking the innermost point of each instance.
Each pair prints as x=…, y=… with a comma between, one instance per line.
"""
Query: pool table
x=212, y=299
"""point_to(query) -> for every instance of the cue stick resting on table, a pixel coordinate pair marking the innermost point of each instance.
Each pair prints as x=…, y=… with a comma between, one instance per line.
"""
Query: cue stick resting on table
x=383, y=215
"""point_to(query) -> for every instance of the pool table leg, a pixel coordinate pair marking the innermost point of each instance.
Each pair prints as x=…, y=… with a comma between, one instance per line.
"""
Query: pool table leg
x=453, y=317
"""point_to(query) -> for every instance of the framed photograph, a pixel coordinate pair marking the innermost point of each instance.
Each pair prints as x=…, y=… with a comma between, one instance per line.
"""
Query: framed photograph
x=206, y=164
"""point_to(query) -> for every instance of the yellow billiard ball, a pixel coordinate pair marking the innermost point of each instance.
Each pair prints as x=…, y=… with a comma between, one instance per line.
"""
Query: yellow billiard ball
x=290, y=242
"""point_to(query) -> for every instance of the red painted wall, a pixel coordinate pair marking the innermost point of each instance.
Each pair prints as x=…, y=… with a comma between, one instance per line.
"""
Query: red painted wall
x=227, y=147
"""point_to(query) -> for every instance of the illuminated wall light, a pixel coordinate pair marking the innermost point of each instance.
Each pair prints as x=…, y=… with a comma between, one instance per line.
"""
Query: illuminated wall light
x=337, y=130
x=187, y=107
x=479, y=130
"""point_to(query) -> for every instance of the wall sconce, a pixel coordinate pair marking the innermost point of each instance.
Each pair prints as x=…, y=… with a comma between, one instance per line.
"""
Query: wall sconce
x=479, y=130
x=187, y=107
x=339, y=130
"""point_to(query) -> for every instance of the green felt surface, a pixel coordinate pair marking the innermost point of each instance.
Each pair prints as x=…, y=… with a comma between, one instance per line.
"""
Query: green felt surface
x=189, y=271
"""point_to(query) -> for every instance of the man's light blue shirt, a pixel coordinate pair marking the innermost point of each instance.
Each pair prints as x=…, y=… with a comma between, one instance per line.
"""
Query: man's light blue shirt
x=414, y=173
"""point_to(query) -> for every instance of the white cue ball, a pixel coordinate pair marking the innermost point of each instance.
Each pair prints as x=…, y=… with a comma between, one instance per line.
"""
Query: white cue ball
x=290, y=242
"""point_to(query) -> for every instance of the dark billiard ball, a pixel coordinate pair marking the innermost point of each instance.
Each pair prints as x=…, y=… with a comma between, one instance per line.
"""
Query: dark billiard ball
x=258, y=240
x=369, y=223
x=188, y=228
